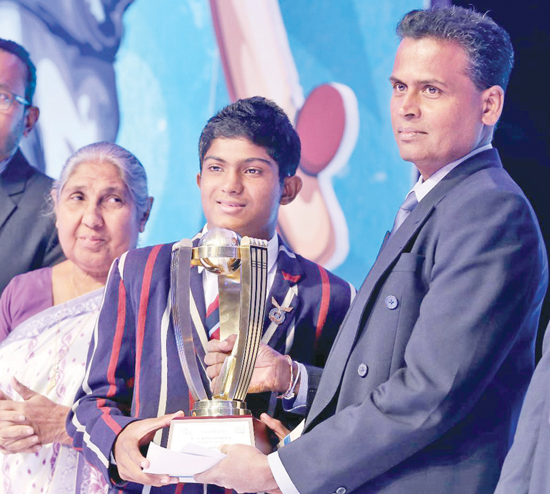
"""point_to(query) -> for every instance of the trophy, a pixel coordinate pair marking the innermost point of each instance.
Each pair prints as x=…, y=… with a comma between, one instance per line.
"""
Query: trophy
x=219, y=416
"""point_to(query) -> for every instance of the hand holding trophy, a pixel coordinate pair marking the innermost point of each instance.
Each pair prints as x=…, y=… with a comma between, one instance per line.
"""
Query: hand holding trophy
x=220, y=415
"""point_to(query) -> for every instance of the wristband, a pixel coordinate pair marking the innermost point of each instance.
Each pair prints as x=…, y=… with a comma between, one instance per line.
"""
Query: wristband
x=289, y=393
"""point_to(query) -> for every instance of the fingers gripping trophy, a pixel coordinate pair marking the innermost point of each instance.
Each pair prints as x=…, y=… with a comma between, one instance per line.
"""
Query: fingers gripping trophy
x=219, y=415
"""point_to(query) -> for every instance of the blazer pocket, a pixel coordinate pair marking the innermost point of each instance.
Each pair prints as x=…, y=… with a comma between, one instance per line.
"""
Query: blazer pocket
x=411, y=263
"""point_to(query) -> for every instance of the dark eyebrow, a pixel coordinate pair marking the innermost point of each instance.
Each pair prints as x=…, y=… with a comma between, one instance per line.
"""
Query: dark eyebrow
x=211, y=157
x=430, y=82
x=248, y=160
x=426, y=82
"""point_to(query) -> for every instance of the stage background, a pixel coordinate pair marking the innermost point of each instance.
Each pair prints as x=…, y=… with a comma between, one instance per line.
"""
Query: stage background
x=149, y=74
x=169, y=80
x=174, y=60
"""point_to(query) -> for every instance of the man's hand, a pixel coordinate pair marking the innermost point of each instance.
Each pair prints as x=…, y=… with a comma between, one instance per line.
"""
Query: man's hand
x=129, y=460
x=244, y=469
x=271, y=372
x=25, y=426
x=275, y=425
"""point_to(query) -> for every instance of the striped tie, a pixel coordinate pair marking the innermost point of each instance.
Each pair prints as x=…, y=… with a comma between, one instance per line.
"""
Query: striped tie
x=212, y=322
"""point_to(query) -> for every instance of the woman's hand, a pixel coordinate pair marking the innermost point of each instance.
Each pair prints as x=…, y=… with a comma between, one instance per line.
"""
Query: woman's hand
x=26, y=425
x=16, y=433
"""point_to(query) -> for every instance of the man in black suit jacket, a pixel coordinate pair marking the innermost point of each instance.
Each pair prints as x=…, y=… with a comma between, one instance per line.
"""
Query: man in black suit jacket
x=28, y=237
x=424, y=383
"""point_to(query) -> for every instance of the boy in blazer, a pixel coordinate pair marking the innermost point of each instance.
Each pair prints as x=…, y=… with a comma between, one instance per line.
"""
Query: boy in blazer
x=134, y=383
x=423, y=386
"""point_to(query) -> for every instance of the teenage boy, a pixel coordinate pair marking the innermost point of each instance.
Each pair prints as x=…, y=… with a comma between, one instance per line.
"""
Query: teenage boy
x=134, y=383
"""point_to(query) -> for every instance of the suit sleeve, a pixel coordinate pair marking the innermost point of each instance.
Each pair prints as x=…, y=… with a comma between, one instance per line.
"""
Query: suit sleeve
x=526, y=466
x=103, y=404
x=488, y=272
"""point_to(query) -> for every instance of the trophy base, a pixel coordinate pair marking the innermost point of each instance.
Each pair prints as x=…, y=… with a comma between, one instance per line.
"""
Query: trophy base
x=210, y=432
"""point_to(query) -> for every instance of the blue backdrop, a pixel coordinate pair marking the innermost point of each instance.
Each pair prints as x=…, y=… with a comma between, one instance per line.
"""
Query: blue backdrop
x=170, y=81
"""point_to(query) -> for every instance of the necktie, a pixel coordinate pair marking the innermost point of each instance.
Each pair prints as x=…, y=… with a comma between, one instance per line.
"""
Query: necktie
x=404, y=210
x=212, y=321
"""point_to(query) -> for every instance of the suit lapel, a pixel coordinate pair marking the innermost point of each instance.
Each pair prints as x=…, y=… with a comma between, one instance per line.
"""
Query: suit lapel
x=7, y=206
x=12, y=185
x=285, y=292
x=390, y=252
x=350, y=329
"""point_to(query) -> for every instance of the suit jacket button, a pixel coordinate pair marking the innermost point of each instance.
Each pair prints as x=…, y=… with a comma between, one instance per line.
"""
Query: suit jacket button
x=341, y=490
x=362, y=370
x=391, y=302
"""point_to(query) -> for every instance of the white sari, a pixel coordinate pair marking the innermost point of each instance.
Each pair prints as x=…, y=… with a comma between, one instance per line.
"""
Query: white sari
x=47, y=353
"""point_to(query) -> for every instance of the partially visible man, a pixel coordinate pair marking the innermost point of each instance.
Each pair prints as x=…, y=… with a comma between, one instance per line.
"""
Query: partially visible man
x=424, y=384
x=525, y=469
x=28, y=237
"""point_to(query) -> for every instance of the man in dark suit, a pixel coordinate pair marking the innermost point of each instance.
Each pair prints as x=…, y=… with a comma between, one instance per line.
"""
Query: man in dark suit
x=423, y=386
x=28, y=237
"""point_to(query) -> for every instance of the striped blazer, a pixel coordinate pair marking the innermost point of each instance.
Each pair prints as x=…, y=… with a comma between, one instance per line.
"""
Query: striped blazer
x=133, y=366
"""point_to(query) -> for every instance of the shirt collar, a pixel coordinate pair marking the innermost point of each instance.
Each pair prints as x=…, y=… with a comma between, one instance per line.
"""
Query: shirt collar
x=422, y=187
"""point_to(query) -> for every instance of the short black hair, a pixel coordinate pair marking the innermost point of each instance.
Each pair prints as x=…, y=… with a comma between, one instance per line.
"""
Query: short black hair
x=260, y=121
x=23, y=55
x=487, y=45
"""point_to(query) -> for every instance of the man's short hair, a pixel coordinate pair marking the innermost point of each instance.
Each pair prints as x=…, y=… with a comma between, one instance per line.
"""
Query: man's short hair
x=487, y=45
x=23, y=55
x=260, y=121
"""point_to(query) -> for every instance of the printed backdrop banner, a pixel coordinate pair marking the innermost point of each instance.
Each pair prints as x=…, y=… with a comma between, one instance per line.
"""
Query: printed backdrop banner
x=150, y=73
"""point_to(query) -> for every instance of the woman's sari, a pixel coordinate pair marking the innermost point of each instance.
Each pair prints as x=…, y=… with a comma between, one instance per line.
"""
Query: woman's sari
x=47, y=353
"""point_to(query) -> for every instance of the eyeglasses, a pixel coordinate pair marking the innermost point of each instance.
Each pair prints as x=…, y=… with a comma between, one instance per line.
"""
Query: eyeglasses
x=7, y=98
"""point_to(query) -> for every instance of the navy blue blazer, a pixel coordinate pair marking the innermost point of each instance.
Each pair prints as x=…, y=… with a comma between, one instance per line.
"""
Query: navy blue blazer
x=423, y=387
x=133, y=367
x=526, y=467
x=28, y=236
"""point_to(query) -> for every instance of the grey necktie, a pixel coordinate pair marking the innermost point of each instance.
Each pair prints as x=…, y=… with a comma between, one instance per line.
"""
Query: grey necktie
x=404, y=210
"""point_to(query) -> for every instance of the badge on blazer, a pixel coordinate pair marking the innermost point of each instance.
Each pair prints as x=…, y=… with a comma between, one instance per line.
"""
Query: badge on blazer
x=278, y=313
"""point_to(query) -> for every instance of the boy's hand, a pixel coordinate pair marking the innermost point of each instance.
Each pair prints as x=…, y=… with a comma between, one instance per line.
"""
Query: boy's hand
x=271, y=372
x=275, y=425
x=129, y=460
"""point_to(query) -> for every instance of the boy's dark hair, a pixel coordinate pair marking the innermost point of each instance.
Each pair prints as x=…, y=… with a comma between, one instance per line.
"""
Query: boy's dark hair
x=260, y=121
x=487, y=45
x=23, y=55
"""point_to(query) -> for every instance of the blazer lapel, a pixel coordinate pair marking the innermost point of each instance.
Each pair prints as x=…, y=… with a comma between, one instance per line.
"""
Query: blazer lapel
x=279, y=328
x=392, y=249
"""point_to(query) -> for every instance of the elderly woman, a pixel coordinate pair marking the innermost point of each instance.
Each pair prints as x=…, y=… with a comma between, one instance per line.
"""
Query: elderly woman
x=47, y=317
